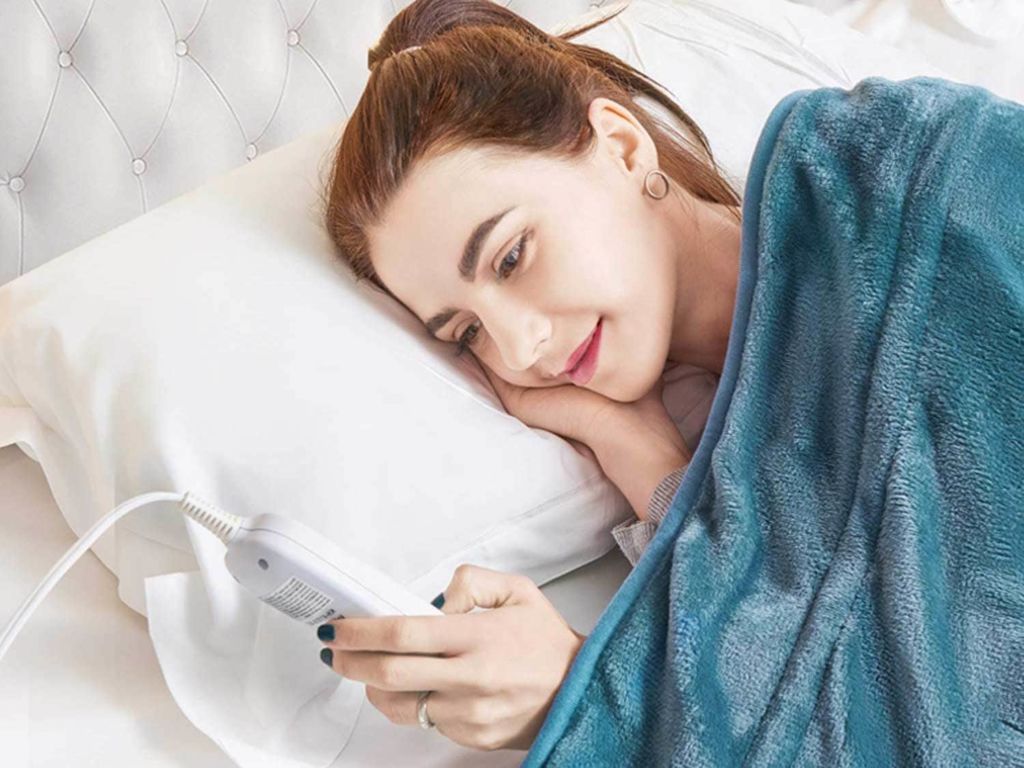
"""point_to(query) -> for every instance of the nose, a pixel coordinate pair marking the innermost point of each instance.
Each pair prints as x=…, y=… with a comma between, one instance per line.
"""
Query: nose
x=518, y=331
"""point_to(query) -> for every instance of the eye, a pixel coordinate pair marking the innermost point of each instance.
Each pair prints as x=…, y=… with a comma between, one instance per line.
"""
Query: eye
x=517, y=253
x=506, y=267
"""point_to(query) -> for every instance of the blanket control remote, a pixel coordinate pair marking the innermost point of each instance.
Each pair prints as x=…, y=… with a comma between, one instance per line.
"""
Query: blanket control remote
x=296, y=570
x=284, y=563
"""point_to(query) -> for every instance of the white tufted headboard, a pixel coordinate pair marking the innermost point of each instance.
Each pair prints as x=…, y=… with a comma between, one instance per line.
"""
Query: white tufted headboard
x=109, y=108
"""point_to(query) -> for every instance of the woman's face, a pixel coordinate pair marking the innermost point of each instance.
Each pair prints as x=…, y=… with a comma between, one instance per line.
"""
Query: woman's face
x=561, y=246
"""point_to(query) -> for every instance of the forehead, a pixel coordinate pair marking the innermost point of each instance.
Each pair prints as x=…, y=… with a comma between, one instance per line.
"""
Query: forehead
x=463, y=185
x=417, y=245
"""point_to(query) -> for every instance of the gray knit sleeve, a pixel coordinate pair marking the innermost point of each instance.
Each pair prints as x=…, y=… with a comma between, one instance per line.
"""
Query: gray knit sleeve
x=633, y=537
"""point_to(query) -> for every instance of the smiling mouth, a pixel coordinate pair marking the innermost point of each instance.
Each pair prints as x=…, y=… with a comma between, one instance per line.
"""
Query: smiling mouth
x=585, y=357
x=579, y=352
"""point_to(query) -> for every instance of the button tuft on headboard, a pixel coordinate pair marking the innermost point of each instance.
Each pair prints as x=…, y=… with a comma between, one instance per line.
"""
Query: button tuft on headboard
x=148, y=95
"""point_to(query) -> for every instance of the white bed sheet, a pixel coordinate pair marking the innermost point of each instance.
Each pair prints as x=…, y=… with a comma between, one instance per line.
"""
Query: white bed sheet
x=81, y=684
x=930, y=29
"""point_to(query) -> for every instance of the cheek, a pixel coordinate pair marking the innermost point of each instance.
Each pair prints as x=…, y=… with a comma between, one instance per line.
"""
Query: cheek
x=492, y=360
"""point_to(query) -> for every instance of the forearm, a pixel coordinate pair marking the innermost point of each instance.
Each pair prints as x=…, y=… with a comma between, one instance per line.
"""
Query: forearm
x=636, y=461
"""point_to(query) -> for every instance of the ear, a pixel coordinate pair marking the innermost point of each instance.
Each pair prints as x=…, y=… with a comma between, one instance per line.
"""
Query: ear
x=620, y=138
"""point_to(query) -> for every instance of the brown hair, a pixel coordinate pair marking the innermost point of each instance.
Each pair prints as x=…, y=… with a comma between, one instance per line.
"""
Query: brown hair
x=485, y=76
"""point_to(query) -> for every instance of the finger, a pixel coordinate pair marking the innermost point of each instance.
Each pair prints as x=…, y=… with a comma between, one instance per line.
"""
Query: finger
x=440, y=635
x=473, y=586
x=564, y=409
x=402, y=672
x=401, y=708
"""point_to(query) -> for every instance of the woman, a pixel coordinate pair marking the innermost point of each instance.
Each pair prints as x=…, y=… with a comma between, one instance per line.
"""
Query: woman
x=523, y=160
x=842, y=580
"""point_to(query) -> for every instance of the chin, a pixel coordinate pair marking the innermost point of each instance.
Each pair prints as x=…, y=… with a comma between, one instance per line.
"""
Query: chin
x=626, y=389
x=623, y=391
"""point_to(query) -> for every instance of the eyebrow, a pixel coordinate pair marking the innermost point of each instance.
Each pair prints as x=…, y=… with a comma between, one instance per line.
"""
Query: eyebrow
x=467, y=266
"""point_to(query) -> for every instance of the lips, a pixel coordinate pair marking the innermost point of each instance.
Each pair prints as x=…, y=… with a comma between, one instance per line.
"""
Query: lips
x=581, y=350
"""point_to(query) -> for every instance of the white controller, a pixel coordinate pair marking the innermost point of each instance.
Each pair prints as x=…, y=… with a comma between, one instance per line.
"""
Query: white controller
x=294, y=569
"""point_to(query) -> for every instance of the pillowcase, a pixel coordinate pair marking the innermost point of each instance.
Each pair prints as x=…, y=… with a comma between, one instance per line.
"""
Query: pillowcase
x=216, y=344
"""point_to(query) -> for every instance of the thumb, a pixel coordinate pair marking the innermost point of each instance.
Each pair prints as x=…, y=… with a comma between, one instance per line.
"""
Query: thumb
x=473, y=586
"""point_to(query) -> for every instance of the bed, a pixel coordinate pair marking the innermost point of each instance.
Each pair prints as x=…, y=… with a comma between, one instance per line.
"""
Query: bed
x=82, y=684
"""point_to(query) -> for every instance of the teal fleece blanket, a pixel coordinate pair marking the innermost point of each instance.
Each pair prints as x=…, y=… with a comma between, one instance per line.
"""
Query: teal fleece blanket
x=839, y=580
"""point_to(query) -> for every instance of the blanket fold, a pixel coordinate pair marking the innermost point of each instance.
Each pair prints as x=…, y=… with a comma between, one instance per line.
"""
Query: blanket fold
x=839, y=580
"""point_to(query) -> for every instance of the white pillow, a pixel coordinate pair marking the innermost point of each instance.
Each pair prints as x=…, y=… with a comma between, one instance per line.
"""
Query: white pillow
x=216, y=344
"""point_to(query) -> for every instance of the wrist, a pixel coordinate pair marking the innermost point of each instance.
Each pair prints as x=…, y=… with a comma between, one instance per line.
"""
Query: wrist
x=649, y=482
x=636, y=461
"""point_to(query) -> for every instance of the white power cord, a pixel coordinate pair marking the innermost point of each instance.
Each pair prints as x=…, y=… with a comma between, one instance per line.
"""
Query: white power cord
x=222, y=524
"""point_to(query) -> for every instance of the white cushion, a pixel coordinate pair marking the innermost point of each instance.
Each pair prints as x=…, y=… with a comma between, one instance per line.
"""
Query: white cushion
x=216, y=344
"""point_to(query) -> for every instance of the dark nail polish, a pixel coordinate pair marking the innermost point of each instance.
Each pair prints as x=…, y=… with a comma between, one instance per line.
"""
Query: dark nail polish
x=327, y=657
x=438, y=601
x=325, y=632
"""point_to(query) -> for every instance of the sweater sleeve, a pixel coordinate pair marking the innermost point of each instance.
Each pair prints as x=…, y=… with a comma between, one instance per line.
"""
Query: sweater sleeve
x=634, y=537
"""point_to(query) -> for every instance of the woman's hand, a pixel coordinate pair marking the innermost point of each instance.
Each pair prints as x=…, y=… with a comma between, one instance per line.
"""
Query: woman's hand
x=567, y=410
x=492, y=674
x=636, y=443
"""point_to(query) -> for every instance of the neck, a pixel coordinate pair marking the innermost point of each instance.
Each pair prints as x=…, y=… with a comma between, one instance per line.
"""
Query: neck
x=708, y=261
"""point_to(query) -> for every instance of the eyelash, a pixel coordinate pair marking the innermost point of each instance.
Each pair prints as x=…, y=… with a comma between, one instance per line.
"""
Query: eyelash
x=464, y=344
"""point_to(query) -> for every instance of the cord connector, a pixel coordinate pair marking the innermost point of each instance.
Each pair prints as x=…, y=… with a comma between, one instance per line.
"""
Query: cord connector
x=221, y=524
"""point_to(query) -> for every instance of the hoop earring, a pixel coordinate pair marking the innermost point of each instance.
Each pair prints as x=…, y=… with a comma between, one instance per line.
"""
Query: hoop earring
x=647, y=183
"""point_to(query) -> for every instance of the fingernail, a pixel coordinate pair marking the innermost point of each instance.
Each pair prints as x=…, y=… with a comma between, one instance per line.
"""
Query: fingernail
x=327, y=657
x=438, y=601
x=325, y=632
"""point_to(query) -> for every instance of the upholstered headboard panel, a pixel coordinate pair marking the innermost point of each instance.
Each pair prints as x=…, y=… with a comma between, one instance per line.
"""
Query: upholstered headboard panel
x=109, y=108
